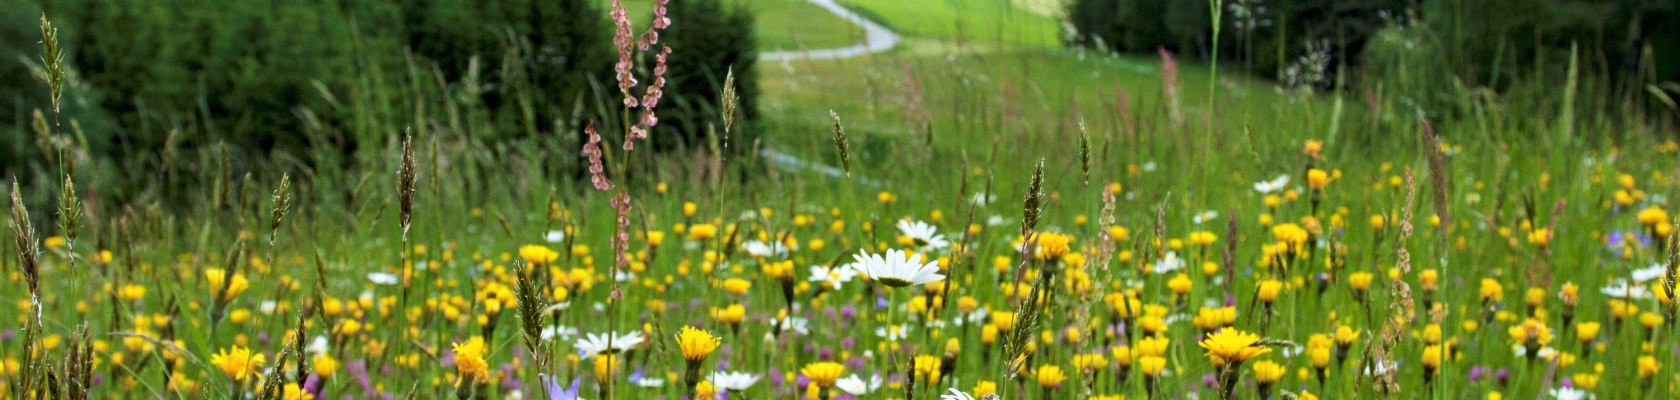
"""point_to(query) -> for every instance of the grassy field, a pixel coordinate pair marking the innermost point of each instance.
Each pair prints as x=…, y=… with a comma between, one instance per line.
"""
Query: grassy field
x=779, y=24
x=1103, y=226
x=982, y=21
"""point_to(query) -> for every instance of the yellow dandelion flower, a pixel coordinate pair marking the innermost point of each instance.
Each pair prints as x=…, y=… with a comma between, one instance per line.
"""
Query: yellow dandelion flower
x=824, y=373
x=1268, y=372
x=696, y=344
x=469, y=360
x=1231, y=346
x=218, y=277
x=238, y=362
x=1050, y=376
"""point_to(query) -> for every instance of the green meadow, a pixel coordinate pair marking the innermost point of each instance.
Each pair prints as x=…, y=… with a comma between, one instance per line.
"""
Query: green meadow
x=984, y=210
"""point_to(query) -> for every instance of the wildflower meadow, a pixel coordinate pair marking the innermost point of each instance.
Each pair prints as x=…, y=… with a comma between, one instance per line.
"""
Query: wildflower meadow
x=897, y=200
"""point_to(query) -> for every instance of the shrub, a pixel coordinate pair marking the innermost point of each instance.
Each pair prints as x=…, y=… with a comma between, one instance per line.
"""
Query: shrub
x=708, y=40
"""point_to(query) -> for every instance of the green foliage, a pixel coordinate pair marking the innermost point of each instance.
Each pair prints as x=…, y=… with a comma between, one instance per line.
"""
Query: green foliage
x=707, y=39
x=536, y=58
x=316, y=82
x=1398, y=60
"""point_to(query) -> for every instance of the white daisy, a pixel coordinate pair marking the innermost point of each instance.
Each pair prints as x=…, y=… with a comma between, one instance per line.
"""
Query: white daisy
x=831, y=277
x=1622, y=289
x=791, y=324
x=896, y=269
x=555, y=236
x=956, y=395
x=1568, y=393
x=558, y=331
x=733, y=381
x=317, y=346
x=1648, y=274
x=648, y=382
x=268, y=306
x=893, y=332
x=856, y=386
x=1545, y=353
x=1292, y=351
x=1276, y=184
x=761, y=249
x=1176, y=318
x=381, y=278
x=1205, y=216
x=1170, y=263
x=596, y=343
x=1380, y=368
x=978, y=317
x=926, y=236
x=996, y=220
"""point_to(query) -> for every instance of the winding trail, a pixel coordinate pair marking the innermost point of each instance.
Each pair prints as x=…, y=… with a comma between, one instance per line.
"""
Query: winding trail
x=876, y=38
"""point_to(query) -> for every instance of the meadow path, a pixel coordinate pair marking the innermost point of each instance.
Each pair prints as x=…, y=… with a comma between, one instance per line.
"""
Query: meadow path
x=876, y=39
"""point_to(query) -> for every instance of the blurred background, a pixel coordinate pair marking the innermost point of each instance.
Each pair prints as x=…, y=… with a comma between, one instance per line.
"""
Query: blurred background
x=159, y=86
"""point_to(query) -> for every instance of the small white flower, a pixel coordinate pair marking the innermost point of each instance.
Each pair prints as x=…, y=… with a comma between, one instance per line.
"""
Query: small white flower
x=1545, y=353
x=1622, y=289
x=268, y=306
x=732, y=381
x=1149, y=166
x=996, y=220
x=896, y=269
x=977, y=317
x=1205, y=216
x=893, y=332
x=562, y=332
x=1276, y=184
x=762, y=249
x=791, y=324
x=381, y=278
x=855, y=386
x=835, y=276
x=1380, y=368
x=317, y=346
x=1648, y=274
x=1292, y=351
x=596, y=343
x=647, y=382
x=926, y=236
x=555, y=236
x=955, y=394
x=1170, y=263
x=1568, y=393
x=981, y=198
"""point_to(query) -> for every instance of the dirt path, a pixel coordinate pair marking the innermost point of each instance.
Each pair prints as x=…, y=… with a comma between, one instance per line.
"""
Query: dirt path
x=876, y=39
